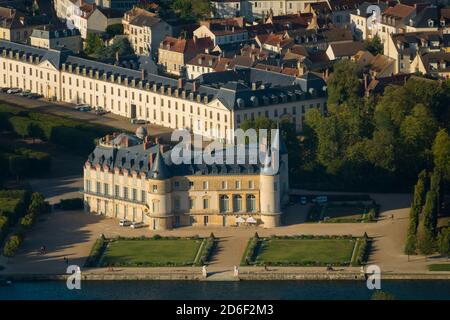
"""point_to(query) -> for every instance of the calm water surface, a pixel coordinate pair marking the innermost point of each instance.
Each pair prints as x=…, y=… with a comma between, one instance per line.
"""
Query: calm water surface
x=285, y=290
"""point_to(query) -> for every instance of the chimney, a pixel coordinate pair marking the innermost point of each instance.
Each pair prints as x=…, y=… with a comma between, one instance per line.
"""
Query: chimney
x=117, y=56
x=180, y=83
x=365, y=82
x=195, y=39
x=150, y=160
x=195, y=86
x=142, y=74
x=125, y=142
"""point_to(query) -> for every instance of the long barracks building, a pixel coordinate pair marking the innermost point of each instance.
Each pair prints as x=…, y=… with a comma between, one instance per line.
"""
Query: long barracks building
x=215, y=102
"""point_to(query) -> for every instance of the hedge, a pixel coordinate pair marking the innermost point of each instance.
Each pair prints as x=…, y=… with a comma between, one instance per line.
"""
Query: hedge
x=96, y=253
x=14, y=203
x=24, y=162
x=3, y=227
x=11, y=246
x=59, y=130
x=206, y=250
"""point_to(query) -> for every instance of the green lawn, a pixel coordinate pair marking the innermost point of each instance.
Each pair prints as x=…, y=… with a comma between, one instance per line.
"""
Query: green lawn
x=306, y=252
x=148, y=252
x=439, y=267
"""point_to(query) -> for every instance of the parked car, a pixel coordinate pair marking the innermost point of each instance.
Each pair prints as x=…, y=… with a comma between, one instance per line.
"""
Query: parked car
x=34, y=96
x=83, y=107
x=4, y=90
x=13, y=91
x=303, y=200
x=124, y=223
x=321, y=199
x=137, y=225
x=138, y=121
x=99, y=111
x=79, y=106
x=25, y=93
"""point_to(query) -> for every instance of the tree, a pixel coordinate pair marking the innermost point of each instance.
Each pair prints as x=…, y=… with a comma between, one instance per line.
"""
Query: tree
x=114, y=29
x=425, y=234
x=441, y=153
x=34, y=131
x=343, y=84
x=191, y=10
x=374, y=45
x=416, y=209
x=18, y=166
x=121, y=46
x=94, y=44
x=435, y=186
x=443, y=242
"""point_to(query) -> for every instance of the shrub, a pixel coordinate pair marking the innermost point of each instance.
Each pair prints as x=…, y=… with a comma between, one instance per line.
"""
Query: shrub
x=156, y=237
x=207, y=250
x=27, y=221
x=3, y=227
x=96, y=252
x=72, y=204
x=11, y=246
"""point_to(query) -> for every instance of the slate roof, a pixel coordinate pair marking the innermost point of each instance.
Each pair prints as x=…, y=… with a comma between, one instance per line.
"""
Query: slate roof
x=232, y=87
x=54, y=33
x=426, y=15
x=155, y=164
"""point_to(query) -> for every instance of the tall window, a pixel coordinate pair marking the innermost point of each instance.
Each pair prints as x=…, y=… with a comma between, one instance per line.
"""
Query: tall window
x=106, y=189
x=205, y=203
x=125, y=193
x=237, y=203
x=224, y=203
x=143, y=196
x=191, y=203
x=251, y=203
x=116, y=191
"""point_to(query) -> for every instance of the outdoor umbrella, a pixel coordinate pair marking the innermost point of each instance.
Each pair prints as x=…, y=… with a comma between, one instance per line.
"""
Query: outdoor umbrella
x=239, y=220
x=251, y=220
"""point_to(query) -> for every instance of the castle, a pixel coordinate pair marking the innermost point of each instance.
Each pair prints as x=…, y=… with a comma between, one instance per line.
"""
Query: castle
x=131, y=177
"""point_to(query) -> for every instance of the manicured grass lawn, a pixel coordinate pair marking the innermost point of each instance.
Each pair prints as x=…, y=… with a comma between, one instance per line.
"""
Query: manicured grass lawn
x=439, y=267
x=303, y=251
x=162, y=252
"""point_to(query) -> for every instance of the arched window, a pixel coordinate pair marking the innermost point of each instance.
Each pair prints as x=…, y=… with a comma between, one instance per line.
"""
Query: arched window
x=224, y=203
x=237, y=203
x=251, y=203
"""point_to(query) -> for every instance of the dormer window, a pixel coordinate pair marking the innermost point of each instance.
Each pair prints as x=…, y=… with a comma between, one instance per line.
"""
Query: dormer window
x=430, y=23
x=442, y=23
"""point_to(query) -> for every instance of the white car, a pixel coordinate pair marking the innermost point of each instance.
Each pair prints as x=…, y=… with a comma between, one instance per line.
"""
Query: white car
x=124, y=223
x=14, y=91
x=137, y=225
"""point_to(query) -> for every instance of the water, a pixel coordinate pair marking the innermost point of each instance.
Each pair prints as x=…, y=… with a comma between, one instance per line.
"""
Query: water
x=192, y=290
